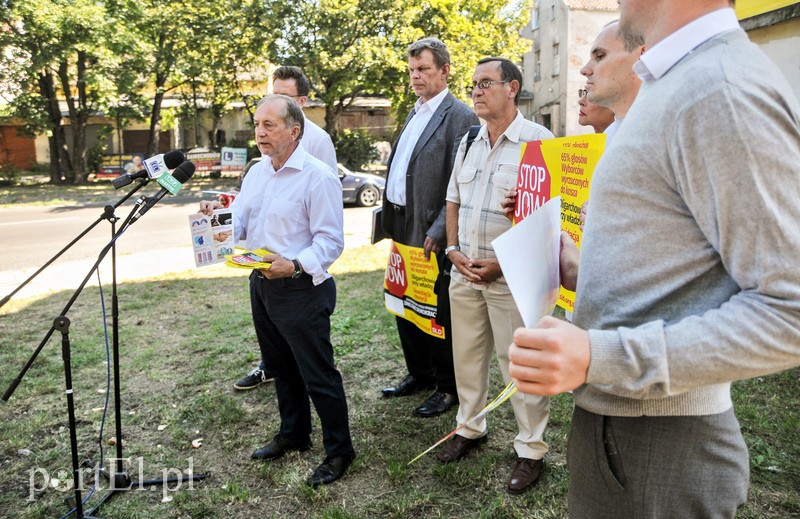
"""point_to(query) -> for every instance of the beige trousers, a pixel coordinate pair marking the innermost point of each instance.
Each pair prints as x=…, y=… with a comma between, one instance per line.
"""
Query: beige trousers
x=483, y=323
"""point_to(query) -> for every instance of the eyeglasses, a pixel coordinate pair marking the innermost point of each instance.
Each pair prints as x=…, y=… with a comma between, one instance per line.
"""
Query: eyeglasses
x=483, y=85
x=582, y=92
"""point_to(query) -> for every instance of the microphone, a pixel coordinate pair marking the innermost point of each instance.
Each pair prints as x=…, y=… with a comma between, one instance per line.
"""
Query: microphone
x=171, y=184
x=153, y=167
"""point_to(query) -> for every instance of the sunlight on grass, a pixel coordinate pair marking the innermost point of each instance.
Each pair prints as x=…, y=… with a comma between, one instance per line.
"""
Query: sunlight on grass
x=191, y=336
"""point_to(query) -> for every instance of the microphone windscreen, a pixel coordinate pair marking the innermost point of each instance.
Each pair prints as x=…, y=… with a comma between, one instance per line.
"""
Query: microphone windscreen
x=173, y=159
x=183, y=172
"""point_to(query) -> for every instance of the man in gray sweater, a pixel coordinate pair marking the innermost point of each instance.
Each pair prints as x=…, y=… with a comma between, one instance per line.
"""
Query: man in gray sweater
x=687, y=277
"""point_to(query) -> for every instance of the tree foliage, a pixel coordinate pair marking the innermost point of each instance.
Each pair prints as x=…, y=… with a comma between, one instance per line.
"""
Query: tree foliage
x=356, y=148
x=350, y=48
x=68, y=51
x=121, y=58
x=343, y=46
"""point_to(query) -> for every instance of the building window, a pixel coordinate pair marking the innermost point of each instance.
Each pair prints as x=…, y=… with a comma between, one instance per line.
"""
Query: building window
x=537, y=69
x=535, y=20
x=556, y=60
x=547, y=122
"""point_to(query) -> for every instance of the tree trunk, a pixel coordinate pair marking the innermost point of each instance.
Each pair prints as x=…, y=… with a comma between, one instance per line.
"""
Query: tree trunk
x=331, y=115
x=78, y=113
x=155, y=122
x=60, y=166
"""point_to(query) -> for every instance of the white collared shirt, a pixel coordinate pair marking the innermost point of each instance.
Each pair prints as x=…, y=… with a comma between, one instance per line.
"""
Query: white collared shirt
x=295, y=212
x=611, y=131
x=665, y=54
x=396, y=181
x=318, y=143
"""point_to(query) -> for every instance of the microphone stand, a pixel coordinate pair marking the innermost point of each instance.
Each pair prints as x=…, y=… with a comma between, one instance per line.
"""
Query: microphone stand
x=61, y=323
x=120, y=480
x=108, y=214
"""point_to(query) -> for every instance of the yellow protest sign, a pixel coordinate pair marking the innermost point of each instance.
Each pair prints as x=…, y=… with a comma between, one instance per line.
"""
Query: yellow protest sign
x=559, y=167
x=408, y=287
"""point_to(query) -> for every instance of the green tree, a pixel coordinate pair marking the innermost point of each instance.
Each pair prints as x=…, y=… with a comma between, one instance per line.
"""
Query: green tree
x=350, y=48
x=226, y=49
x=31, y=45
x=60, y=50
x=196, y=49
x=471, y=29
x=342, y=45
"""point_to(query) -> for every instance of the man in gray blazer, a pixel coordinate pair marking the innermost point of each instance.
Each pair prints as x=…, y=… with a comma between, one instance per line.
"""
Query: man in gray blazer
x=414, y=213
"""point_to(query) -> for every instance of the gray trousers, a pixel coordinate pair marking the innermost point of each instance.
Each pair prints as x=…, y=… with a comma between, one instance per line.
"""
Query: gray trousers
x=656, y=467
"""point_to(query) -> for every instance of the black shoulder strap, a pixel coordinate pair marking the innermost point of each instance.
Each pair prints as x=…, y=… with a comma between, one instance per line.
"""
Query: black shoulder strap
x=473, y=132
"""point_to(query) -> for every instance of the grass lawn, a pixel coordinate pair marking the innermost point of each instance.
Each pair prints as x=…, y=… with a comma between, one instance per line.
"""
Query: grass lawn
x=185, y=339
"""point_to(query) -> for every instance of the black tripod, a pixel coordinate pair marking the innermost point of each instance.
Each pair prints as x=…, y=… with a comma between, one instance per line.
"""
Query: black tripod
x=119, y=479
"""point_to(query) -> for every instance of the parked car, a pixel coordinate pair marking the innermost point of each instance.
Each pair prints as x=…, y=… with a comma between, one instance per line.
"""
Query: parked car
x=364, y=189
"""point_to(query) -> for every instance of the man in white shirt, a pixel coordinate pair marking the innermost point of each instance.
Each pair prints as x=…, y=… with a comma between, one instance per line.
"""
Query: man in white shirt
x=610, y=80
x=290, y=81
x=414, y=213
x=291, y=205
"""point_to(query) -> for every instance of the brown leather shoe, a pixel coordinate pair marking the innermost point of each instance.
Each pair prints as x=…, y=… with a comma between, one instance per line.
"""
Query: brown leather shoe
x=525, y=475
x=458, y=447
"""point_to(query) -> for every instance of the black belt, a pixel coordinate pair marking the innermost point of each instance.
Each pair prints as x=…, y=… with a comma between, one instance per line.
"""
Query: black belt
x=398, y=209
x=304, y=275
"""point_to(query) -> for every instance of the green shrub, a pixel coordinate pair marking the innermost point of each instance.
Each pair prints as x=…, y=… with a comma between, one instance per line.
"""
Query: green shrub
x=356, y=149
x=8, y=175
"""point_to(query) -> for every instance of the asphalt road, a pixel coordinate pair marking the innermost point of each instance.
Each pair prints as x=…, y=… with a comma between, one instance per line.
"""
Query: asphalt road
x=159, y=242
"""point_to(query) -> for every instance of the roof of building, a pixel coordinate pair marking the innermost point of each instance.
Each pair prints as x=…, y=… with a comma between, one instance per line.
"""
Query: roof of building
x=593, y=5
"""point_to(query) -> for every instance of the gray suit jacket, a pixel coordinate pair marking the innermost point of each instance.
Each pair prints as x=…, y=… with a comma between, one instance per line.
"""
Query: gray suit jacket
x=429, y=173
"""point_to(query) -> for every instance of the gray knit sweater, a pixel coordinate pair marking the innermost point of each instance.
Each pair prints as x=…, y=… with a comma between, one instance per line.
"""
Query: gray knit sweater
x=689, y=275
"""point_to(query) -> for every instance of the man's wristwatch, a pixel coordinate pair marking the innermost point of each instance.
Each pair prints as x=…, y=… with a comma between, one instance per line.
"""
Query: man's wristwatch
x=298, y=271
x=450, y=249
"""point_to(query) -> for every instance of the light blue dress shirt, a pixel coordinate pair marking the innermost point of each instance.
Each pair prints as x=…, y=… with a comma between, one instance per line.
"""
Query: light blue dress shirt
x=296, y=212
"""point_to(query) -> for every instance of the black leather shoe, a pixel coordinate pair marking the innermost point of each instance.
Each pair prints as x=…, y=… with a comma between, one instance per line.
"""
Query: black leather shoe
x=438, y=403
x=330, y=470
x=278, y=447
x=408, y=386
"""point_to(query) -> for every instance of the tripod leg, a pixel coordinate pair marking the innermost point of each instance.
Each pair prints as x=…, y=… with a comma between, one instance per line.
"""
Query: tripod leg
x=61, y=324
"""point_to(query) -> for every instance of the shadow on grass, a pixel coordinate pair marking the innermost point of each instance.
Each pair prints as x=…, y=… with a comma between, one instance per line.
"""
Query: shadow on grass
x=182, y=345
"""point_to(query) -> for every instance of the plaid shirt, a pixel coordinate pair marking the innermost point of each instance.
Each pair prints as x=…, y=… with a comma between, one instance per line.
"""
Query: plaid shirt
x=479, y=183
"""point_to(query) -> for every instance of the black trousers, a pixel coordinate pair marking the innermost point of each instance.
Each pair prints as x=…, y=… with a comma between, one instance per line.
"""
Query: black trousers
x=292, y=321
x=429, y=359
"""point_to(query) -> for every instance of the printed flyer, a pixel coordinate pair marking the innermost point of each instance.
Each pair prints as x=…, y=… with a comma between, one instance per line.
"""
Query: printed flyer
x=212, y=237
x=408, y=287
x=559, y=167
x=251, y=259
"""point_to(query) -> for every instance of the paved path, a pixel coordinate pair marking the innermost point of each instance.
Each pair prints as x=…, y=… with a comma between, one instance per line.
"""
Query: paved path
x=67, y=274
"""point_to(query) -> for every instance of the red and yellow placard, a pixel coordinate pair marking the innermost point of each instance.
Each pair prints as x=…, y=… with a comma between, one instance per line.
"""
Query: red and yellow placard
x=408, y=287
x=559, y=167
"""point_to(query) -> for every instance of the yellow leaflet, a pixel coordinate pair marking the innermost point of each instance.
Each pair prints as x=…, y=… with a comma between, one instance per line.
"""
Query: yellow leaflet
x=248, y=259
x=504, y=395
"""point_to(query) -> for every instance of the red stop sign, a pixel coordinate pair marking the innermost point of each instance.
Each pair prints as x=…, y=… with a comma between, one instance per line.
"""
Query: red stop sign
x=396, y=277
